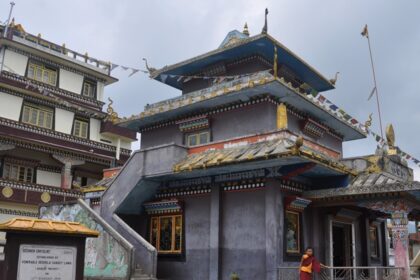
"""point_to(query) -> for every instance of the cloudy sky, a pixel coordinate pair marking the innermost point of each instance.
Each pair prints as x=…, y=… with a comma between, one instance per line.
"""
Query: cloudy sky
x=325, y=33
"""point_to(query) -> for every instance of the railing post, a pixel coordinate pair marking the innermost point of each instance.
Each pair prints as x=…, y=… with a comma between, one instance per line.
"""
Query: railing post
x=376, y=273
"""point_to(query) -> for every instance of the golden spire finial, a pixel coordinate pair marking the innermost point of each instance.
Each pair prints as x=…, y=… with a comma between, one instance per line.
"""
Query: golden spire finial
x=112, y=115
x=246, y=31
x=390, y=135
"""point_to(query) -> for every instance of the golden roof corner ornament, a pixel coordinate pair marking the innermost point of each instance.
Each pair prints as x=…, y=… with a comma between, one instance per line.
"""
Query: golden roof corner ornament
x=112, y=115
x=245, y=31
x=390, y=135
x=334, y=80
x=368, y=123
x=151, y=70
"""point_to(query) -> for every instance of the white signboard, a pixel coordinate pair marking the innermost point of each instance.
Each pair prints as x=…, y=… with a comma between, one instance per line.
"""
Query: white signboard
x=44, y=262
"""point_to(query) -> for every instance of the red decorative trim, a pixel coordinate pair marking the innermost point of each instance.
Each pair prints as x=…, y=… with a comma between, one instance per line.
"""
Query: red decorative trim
x=262, y=137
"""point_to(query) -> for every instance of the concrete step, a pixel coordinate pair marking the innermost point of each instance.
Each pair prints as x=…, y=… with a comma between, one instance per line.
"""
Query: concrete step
x=139, y=275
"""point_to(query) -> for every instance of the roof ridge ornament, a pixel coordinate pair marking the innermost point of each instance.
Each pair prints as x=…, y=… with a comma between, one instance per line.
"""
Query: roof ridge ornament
x=264, y=30
x=112, y=115
x=151, y=70
x=334, y=80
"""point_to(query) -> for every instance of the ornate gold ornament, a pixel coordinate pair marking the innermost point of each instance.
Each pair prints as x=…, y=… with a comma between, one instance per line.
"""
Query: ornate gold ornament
x=390, y=135
x=281, y=116
x=45, y=197
x=112, y=115
x=368, y=123
x=7, y=192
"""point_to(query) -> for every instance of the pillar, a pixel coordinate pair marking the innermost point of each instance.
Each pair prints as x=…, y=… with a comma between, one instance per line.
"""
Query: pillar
x=400, y=241
x=68, y=163
x=215, y=224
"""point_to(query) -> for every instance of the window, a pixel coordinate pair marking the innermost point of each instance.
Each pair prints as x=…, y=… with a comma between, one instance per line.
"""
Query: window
x=292, y=232
x=89, y=89
x=373, y=237
x=198, y=138
x=42, y=73
x=36, y=115
x=18, y=172
x=166, y=233
x=80, y=128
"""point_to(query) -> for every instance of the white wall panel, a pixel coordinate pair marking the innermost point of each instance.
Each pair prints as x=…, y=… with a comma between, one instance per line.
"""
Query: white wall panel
x=63, y=120
x=10, y=106
x=48, y=178
x=15, y=63
x=95, y=128
x=71, y=81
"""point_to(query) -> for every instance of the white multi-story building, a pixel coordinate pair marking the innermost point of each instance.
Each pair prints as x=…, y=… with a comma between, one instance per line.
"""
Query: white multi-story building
x=55, y=137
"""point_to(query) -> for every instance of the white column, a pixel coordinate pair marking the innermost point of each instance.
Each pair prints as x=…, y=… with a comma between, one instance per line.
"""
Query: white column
x=66, y=169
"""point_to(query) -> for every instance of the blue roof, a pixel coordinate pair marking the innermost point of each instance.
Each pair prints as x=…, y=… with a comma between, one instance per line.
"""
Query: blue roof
x=262, y=44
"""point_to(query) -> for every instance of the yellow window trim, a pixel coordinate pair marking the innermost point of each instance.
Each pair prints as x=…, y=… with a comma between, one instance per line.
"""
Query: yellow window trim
x=157, y=245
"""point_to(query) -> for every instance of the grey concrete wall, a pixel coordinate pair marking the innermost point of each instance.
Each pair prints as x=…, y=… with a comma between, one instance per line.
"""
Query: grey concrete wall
x=327, y=140
x=243, y=238
x=197, y=238
x=258, y=118
x=160, y=136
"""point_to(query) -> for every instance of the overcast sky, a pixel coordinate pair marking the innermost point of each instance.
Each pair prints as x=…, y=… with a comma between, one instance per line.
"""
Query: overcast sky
x=326, y=34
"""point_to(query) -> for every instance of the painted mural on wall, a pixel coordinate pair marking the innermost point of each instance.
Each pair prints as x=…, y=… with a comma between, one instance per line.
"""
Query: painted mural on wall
x=104, y=256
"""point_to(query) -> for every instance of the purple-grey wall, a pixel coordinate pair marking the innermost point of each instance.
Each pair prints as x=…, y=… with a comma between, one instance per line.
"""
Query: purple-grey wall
x=243, y=238
x=197, y=237
x=253, y=119
x=295, y=126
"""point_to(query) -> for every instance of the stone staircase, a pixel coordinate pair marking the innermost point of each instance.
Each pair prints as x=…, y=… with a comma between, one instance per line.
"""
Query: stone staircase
x=139, y=275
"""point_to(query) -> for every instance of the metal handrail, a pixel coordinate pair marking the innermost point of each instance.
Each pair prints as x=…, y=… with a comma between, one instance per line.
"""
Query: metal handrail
x=346, y=273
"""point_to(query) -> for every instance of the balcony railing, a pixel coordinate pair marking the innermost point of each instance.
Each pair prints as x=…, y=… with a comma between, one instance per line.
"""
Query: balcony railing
x=346, y=273
x=63, y=51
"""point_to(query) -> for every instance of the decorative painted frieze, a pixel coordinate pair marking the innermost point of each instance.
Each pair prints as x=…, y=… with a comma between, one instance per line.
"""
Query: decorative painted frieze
x=14, y=212
x=163, y=207
x=193, y=124
x=183, y=191
x=314, y=128
x=296, y=203
x=244, y=186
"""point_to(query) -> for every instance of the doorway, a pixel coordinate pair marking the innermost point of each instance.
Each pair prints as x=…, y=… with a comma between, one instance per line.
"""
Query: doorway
x=342, y=239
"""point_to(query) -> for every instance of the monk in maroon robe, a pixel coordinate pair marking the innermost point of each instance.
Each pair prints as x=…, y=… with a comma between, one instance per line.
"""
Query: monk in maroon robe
x=308, y=265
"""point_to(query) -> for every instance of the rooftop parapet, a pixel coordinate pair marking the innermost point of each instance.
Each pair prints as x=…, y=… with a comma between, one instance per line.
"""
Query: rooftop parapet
x=17, y=34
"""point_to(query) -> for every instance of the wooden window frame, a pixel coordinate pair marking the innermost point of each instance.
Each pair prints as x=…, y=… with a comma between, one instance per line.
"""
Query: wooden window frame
x=171, y=252
x=25, y=168
x=293, y=255
x=32, y=106
x=196, y=135
x=81, y=120
x=94, y=86
x=44, y=69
